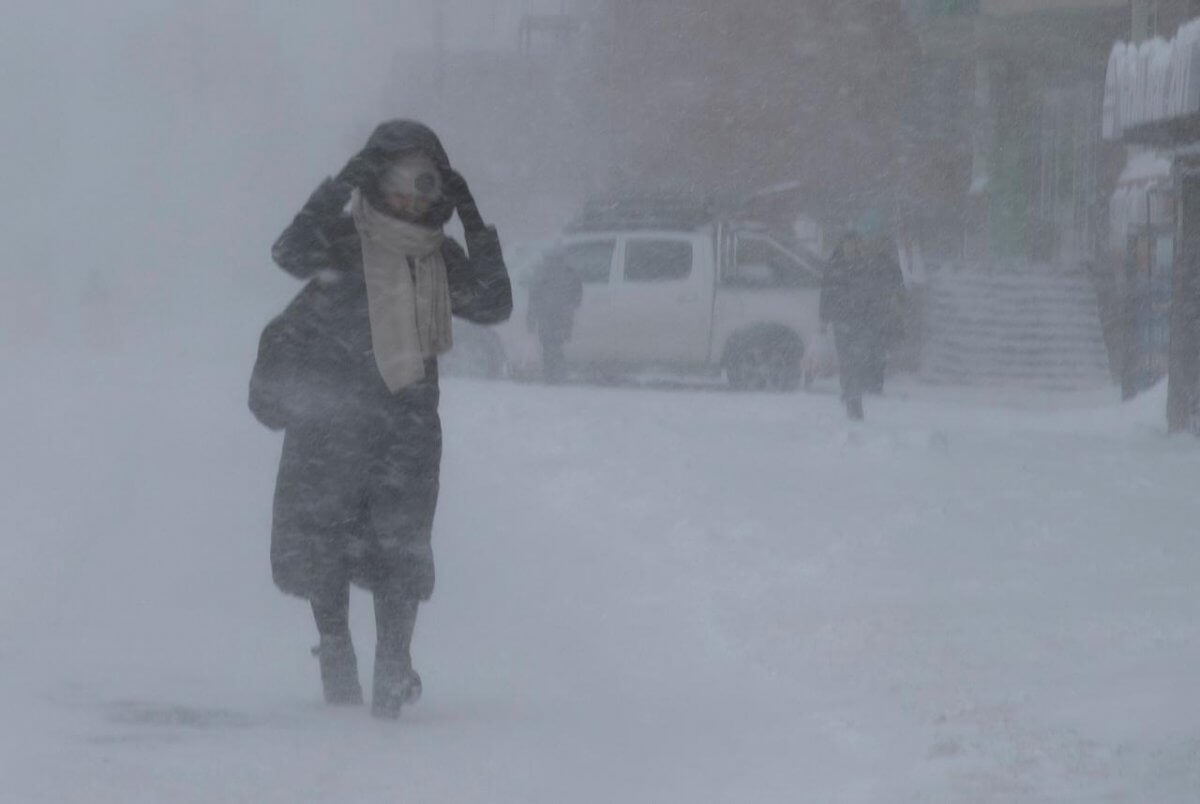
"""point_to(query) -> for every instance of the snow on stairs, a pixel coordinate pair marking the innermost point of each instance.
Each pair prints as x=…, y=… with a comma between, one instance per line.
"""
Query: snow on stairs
x=1029, y=327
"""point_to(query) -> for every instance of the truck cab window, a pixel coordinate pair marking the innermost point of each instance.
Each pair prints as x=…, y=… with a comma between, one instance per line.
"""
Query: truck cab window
x=657, y=260
x=591, y=261
x=759, y=263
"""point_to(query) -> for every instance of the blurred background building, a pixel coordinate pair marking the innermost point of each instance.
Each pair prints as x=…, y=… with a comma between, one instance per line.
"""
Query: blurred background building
x=972, y=127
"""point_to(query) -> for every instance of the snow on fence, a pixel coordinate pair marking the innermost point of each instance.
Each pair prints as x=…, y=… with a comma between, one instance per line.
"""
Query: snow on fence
x=1031, y=327
x=1153, y=81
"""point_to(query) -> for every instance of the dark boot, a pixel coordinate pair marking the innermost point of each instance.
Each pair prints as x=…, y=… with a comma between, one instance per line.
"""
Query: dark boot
x=339, y=670
x=396, y=683
x=339, y=666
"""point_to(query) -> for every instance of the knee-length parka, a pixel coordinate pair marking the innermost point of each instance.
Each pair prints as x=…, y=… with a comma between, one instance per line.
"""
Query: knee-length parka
x=358, y=478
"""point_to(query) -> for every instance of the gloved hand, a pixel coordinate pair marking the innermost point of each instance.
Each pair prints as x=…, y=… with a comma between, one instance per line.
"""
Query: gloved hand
x=329, y=198
x=459, y=194
x=358, y=171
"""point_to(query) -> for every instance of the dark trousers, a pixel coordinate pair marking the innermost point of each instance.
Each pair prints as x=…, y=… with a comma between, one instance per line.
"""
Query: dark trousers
x=554, y=360
x=876, y=366
x=862, y=361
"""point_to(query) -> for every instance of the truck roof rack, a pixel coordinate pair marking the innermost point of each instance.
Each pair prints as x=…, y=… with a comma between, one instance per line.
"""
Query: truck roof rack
x=674, y=212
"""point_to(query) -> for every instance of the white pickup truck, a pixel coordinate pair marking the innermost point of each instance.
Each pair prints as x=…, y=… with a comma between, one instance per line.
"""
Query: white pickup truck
x=718, y=297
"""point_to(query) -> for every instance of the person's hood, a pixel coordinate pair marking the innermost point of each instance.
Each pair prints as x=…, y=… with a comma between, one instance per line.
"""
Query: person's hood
x=398, y=137
x=395, y=138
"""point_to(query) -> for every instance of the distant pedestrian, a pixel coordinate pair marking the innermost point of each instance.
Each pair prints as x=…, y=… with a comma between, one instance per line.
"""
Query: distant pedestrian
x=554, y=297
x=862, y=297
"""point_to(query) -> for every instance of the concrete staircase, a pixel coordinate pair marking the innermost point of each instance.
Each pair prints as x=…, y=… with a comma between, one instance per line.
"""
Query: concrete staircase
x=1032, y=326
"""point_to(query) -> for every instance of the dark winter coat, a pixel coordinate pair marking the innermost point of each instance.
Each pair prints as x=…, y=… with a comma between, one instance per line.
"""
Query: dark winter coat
x=863, y=294
x=555, y=295
x=358, y=479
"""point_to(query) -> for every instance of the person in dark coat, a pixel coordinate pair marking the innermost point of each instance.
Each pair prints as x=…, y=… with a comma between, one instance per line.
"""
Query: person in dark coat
x=554, y=297
x=862, y=296
x=349, y=372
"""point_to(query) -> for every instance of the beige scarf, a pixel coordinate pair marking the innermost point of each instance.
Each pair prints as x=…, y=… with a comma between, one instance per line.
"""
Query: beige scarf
x=409, y=309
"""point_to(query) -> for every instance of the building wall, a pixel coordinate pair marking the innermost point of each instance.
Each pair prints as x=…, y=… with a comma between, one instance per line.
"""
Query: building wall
x=1037, y=167
x=730, y=97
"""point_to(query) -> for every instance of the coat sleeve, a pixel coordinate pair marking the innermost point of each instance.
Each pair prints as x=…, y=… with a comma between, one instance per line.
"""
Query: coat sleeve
x=480, y=290
x=318, y=234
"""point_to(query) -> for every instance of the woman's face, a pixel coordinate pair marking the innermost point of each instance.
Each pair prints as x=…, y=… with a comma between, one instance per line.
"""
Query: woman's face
x=408, y=207
x=411, y=186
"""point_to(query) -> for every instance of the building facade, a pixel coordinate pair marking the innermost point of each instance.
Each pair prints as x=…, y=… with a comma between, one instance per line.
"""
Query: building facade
x=1152, y=106
x=1026, y=78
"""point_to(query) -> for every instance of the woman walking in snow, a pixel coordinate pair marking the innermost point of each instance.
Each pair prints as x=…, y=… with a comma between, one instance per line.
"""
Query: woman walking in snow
x=349, y=371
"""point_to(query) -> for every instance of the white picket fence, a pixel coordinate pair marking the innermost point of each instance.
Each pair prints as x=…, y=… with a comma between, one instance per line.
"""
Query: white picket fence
x=1029, y=327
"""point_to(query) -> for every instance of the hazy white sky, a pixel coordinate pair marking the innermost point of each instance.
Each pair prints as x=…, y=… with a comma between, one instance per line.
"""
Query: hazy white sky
x=157, y=147
x=163, y=129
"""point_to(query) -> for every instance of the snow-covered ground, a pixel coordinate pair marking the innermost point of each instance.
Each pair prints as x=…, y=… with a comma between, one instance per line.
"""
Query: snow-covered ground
x=645, y=595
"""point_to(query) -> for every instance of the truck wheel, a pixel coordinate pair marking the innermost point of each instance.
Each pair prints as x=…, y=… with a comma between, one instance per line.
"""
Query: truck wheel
x=766, y=362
